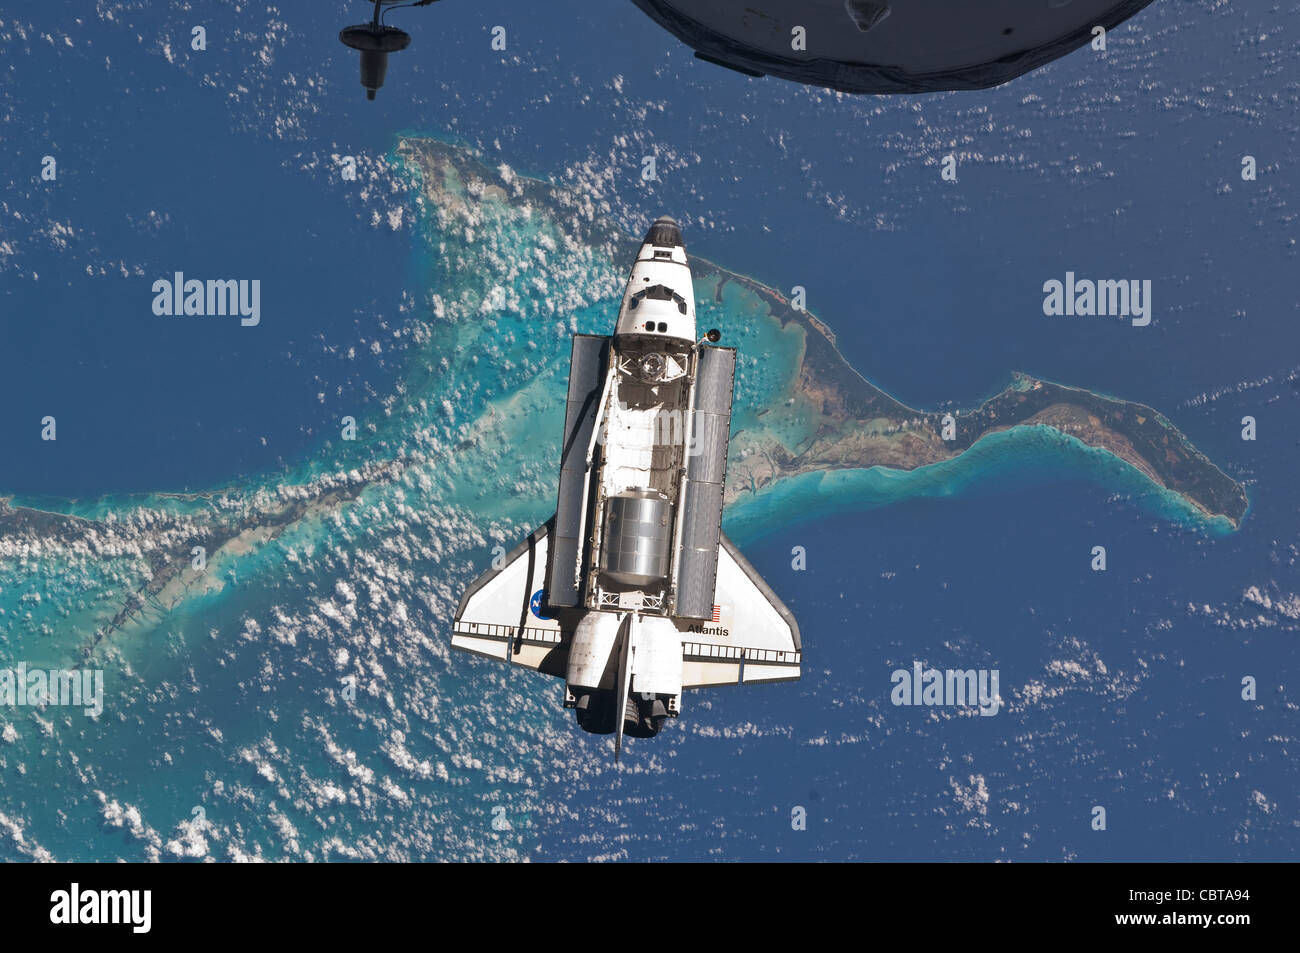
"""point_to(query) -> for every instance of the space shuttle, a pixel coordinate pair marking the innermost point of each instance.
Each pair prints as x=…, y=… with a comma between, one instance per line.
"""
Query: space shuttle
x=630, y=592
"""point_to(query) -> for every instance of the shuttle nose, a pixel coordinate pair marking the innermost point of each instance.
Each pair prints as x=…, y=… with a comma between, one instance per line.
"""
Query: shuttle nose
x=664, y=233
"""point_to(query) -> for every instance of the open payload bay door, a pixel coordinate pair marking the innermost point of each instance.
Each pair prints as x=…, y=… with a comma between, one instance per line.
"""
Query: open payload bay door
x=750, y=637
x=503, y=615
x=588, y=369
x=706, y=474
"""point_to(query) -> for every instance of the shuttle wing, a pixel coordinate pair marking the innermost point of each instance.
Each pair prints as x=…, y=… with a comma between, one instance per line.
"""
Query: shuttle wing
x=501, y=615
x=752, y=637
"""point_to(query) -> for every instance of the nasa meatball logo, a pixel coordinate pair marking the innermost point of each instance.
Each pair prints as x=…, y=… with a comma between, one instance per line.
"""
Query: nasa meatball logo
x=536, y=603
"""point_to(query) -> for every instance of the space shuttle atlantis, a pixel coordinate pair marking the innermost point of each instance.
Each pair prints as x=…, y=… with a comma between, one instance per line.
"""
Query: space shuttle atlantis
x=630, y=592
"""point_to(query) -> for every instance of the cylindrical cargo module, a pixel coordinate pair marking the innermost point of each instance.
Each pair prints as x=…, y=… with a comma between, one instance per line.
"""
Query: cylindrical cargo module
x=638, y=533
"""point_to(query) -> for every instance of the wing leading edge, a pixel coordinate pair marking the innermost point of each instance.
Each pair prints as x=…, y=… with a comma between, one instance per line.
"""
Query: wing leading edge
x=501, y=614
x=755, y=638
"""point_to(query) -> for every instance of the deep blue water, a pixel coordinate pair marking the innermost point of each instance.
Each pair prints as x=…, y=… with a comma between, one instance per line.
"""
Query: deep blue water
x=150, y=403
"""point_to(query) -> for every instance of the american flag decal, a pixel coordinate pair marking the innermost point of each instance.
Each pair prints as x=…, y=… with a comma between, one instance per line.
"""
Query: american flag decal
x=717, y=613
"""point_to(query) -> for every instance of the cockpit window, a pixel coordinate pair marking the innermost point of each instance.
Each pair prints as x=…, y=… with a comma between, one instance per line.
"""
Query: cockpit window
x=658, y=293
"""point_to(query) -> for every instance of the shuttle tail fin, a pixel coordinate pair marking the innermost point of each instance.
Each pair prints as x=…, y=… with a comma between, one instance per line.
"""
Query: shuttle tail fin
x=626, y=647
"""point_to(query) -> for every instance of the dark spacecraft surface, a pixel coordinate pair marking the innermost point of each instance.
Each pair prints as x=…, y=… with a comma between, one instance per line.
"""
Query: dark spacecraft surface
x=887, y=46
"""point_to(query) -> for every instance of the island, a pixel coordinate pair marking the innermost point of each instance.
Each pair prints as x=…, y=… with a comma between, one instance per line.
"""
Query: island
x=858, y=426
x=823, y=415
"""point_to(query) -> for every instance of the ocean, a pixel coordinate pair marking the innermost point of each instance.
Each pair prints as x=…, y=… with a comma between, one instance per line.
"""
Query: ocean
x=299, y=700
